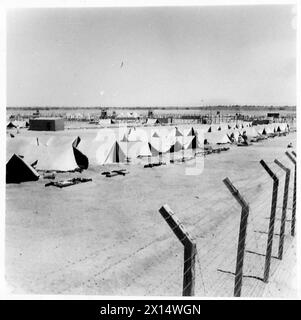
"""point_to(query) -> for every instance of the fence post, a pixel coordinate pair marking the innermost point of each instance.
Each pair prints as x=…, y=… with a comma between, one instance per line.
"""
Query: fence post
x=241, y=238
x=294, y=194
x=272, y=222
x=284, y=207
x=189, y=249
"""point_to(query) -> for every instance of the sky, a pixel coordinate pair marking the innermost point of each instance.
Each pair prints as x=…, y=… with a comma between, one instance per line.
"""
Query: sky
x=164, y=56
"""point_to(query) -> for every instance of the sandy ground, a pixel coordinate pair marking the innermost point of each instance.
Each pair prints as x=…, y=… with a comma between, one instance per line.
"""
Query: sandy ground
x=107, y=237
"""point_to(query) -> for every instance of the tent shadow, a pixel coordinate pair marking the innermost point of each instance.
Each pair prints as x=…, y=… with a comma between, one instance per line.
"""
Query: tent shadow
x=264, y=232
x=260, y=254
x=278, y=219
x=244, y=276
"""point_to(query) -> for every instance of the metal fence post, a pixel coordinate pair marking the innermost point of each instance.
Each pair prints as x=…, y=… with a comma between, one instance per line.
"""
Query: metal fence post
x=189, y=249
x=272, y=221
x=241, y=238
x=294, y=194
x=284, y=207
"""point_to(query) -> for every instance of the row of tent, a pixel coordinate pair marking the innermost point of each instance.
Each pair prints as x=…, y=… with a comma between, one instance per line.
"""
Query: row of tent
x=213, y=136
x=17, y=124
x=109, y=147
x=62, y=153
x=133, y=115
x=156, y=122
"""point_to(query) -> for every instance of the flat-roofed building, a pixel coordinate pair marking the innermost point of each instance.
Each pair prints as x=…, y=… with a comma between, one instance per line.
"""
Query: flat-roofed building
x=46, y=124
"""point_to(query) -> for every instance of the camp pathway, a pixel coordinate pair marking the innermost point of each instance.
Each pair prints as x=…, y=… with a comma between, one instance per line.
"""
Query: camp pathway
x=107, y=237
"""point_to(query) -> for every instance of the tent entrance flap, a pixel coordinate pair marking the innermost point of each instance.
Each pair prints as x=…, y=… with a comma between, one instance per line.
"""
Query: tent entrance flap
x=17, y=170
x=116, y=154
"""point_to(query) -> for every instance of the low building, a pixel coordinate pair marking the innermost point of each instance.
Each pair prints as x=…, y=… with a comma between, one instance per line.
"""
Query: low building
x=165, y=120
x=46, y=124
x=273, y=115
x=260, y=122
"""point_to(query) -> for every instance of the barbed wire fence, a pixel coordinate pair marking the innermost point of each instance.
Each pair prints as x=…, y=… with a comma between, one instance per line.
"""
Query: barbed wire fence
x=256, y=257
x=255, y=234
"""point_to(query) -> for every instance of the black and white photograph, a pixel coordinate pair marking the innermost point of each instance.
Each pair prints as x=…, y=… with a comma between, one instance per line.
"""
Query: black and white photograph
x=151, y=151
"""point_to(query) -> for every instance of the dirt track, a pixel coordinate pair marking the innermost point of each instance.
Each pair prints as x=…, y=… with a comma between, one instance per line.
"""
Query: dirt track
x=107, y=237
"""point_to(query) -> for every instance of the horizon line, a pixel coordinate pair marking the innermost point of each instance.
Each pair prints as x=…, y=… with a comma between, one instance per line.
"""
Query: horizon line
x=156, y=107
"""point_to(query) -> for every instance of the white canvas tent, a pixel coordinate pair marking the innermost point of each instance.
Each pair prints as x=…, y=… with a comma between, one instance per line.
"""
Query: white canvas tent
x=275, y=126
x=259, y=129
x=214, y=127
x=21, y=123
x=96, y=149
x=248, y=123
x=178, y=133
x=194, y=143
x=114, y=154
x=200, y=131
x=18, y=170
x=110, y=134
x=251, y=132
x=136, y=150
x=10, y=125
x=219, y=137
x=239, y=125
x=162, y=132
x=105, y=122
x=183, y=143
x=57, y=154
x=268, y=129
x=159, y=145
x=137, y=135
x=104, y=151
x=175, y=132
x=152, y=122
x=224, y=126
x=176, y=147
x=51, y=153
x=17, y=124
x=282, y=127
x=22, y=146
x=189, y=132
